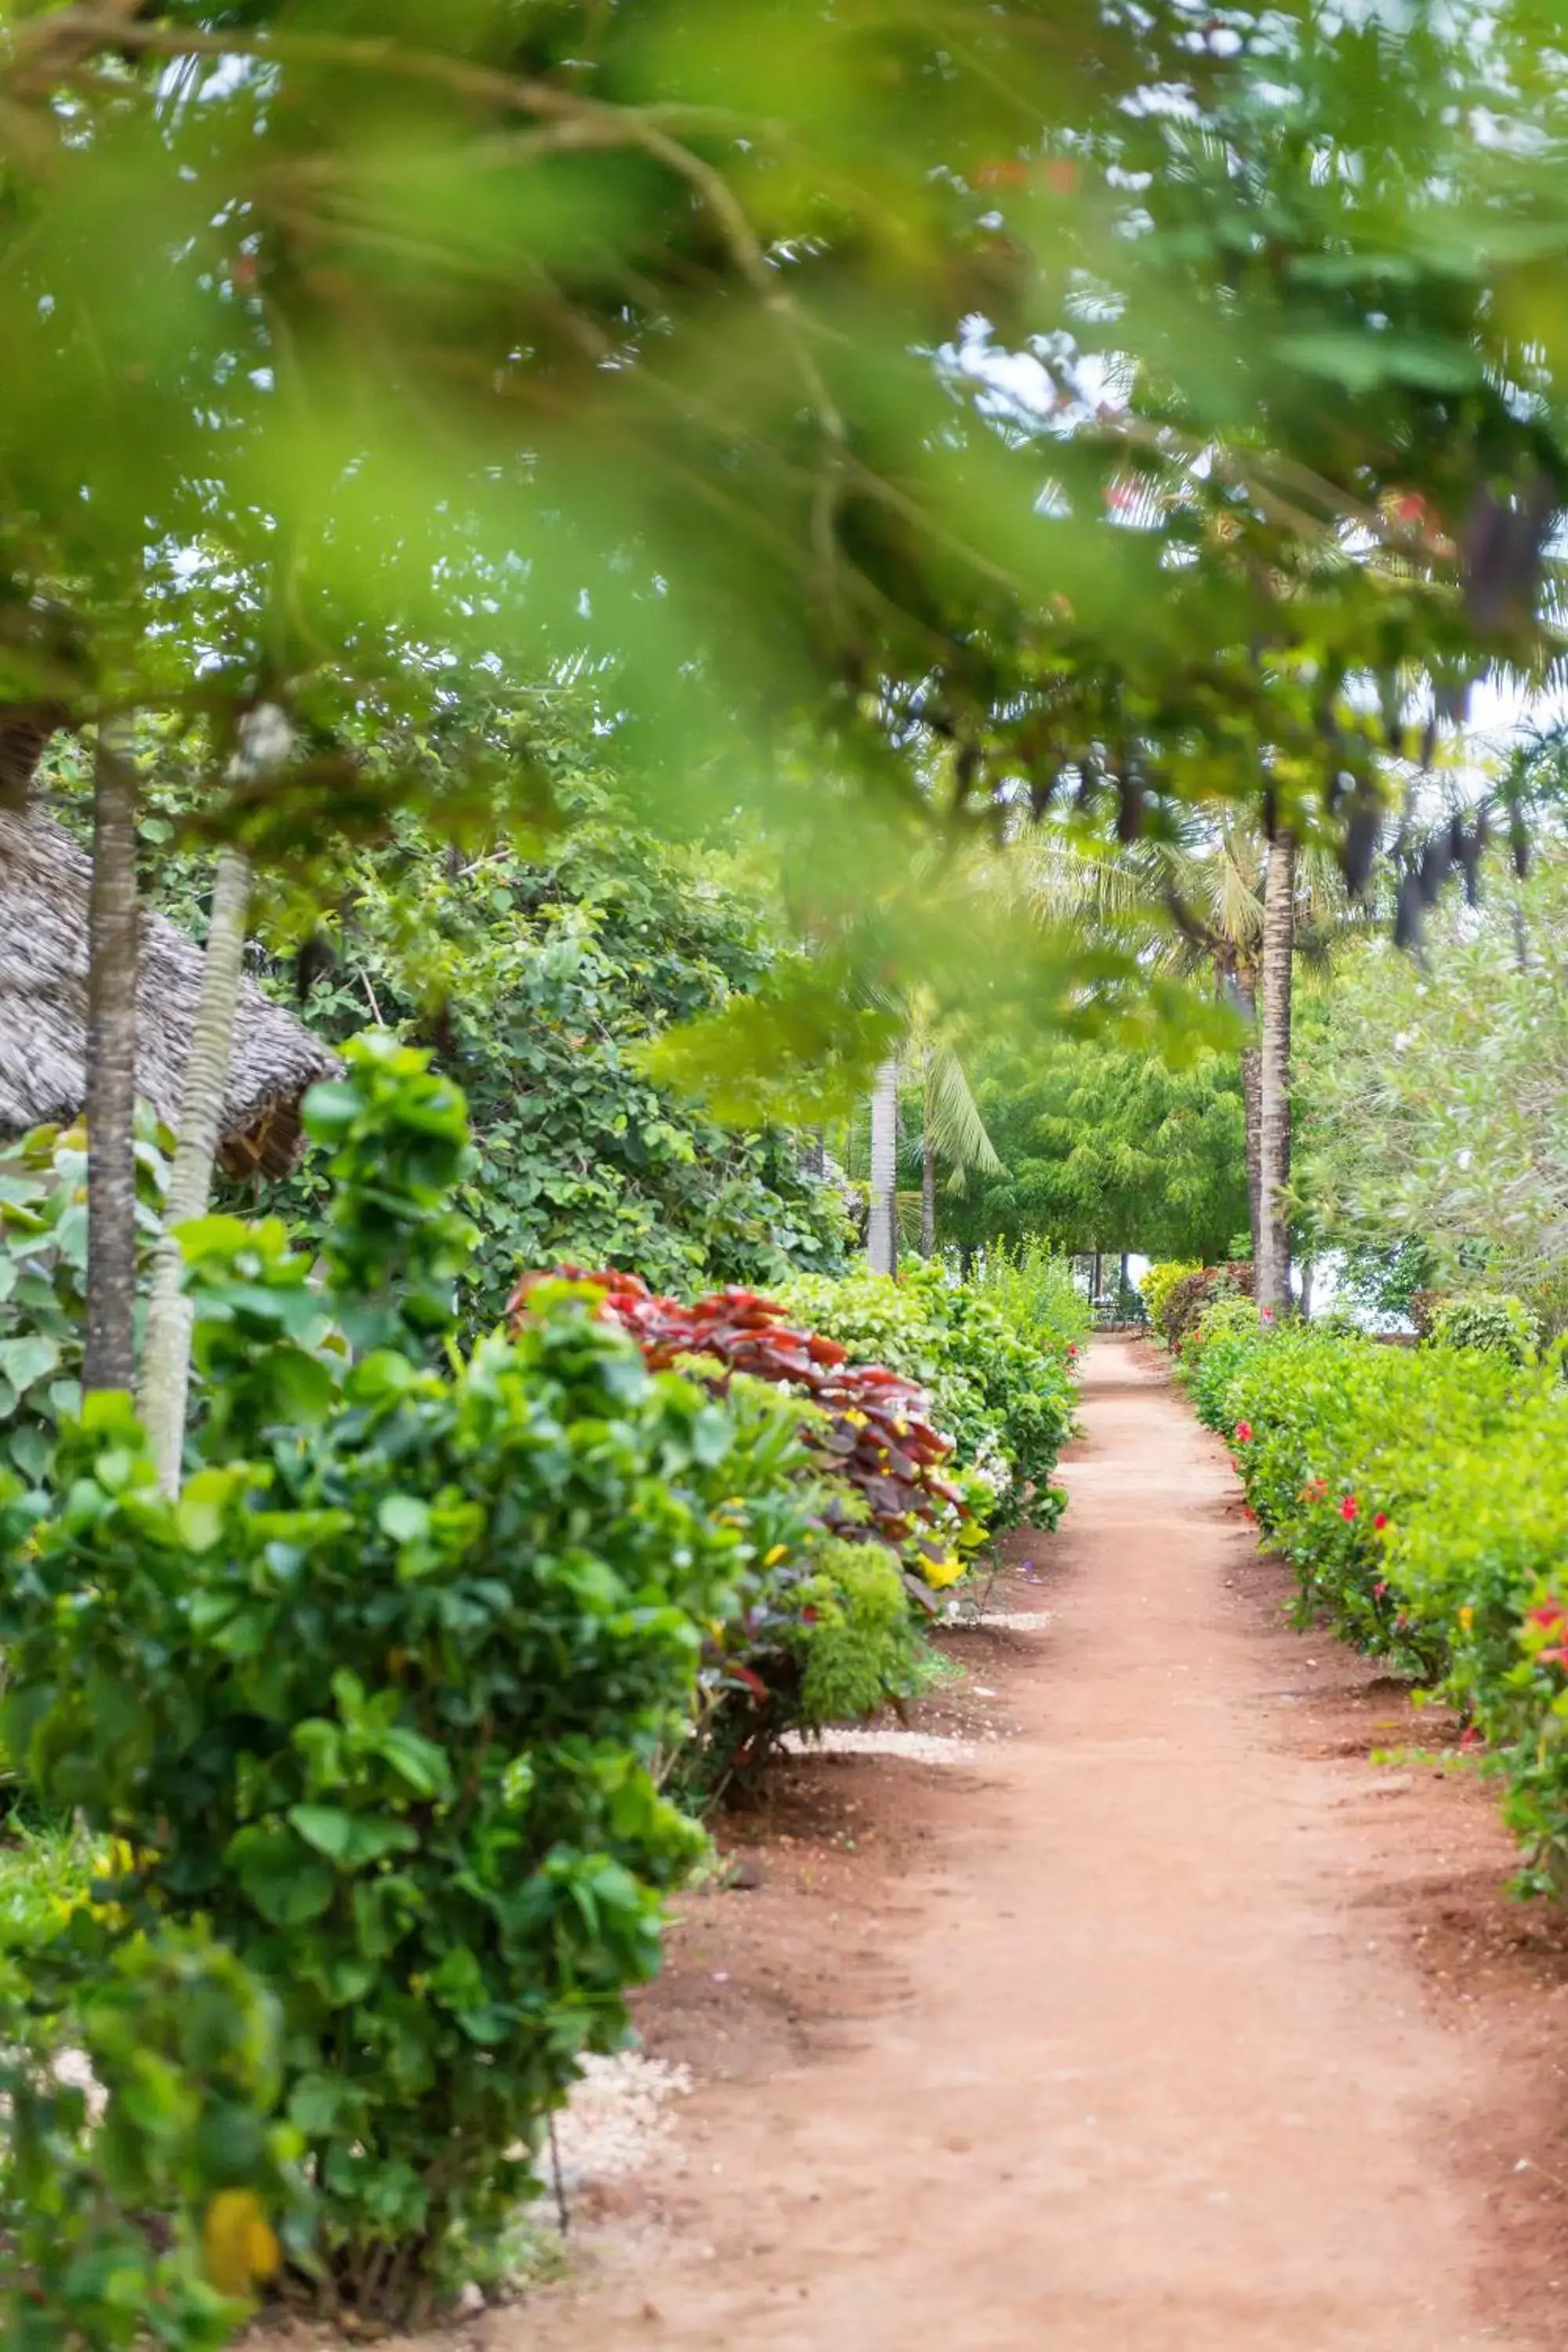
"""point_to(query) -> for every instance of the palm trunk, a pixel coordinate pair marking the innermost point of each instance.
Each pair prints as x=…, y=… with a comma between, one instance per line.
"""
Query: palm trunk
x=882, y=1235
x=1252, y=1105
x=928, y=1180
x=1273, y=1261
x=109, y=1356
x=166, y=1353
x=1308, y=1272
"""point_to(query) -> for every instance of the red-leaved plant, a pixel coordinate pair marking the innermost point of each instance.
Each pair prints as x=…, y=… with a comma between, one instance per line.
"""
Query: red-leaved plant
x=877, y=1439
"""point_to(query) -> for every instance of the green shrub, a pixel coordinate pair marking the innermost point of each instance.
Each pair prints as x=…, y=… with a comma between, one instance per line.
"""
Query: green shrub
x=1158, y=1284
x=1216, y=1345
x=1419, y=1495
x=824, y=1636
x=1005, y=1399
x=43, y=1277
x=383, y=1696
x=143, y=2169
x=1188, y=1298
x=1489, y=1319
x=1034, y=1286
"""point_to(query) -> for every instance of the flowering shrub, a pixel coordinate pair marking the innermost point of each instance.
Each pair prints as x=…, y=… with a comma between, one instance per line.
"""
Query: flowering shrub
x=1416, y=1495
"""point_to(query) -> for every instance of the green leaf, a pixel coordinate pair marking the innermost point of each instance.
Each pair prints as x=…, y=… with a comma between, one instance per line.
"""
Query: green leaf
x=351, y=1840
x=286, y=1888
x=403, y=1519
x=29, y=1358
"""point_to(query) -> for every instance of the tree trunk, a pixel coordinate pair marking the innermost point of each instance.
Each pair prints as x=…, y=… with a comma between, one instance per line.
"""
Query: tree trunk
x=1520, y=936
x=1252, y=1103
x=166, y=1348
x=1094, y=1281
x=814, y=1156
x=928, y=1180
x=1122, y=1284
x=1273, y=1261
x=1308, y=1271
x=109, y=1357
x=882, y=1234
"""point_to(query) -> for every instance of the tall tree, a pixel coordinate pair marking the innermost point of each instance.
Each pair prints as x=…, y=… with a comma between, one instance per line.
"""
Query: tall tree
x=114, y=969
x=265, y=740
x=882, y=1228
x=1276, y=977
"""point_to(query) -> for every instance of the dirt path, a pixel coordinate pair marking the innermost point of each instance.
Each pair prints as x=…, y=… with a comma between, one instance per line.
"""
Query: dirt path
x=1151, y=2077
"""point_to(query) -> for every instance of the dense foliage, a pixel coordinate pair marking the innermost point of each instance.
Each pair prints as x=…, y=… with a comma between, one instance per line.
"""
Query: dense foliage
x=382, y=1713
x=1106, y=1149
x=1185, y=1294
x=382, y=1695
x=999, y=1389
x=1431, y=1100
x=1416, y=1494
x=536, y=967
x=43, y=1268
x=139, y=2072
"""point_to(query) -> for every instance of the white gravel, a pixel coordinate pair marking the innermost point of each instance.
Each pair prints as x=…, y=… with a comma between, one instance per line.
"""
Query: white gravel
x=1012, y=1621
x=918, y=1746
x=619, y=2117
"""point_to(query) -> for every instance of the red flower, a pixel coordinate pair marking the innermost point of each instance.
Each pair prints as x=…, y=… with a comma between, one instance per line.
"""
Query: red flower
x=1378, y=1590
x=1349, y=1508
x=1380, y=1521
x=1072, y=1346
x=1243, y=1433
x=1547, y=1617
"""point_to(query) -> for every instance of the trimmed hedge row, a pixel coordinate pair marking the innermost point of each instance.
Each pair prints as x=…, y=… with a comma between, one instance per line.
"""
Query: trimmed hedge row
x=1422, y=1498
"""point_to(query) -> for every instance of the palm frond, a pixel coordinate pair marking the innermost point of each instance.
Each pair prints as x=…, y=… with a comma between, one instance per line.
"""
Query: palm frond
x=958, y=1131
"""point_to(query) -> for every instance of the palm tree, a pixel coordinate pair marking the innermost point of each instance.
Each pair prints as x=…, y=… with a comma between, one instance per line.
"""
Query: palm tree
x=1196, y=903
x=952, y=1133
x=882, y=1230
x=1271, y=1223
x=110, y=1357
x=264, y=740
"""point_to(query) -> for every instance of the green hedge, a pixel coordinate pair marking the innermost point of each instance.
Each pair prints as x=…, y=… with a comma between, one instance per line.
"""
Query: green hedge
x=999, y=1388
x=1421, y=1494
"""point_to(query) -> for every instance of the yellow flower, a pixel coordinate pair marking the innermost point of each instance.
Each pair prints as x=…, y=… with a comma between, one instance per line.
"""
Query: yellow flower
x=238, y=2243
x=940, y=1572
x=856, y=1420
x=1467, y=1619
x=772, y=1558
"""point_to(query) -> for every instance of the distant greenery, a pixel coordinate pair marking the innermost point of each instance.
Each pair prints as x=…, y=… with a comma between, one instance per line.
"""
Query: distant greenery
x=1432, y=1142
x=1106, y=1149
x=535, y=970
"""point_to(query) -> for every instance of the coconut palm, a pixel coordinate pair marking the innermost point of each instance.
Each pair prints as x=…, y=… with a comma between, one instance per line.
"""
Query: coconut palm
x=953, y=1134
x=1196, y=902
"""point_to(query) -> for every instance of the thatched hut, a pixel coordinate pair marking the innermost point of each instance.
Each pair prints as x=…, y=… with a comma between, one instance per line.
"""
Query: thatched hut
x=45, y=880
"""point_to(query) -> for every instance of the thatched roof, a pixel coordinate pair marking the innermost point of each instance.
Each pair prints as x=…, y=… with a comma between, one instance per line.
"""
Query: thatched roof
x=45, y=881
